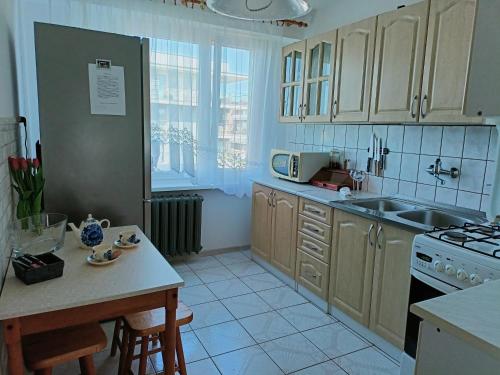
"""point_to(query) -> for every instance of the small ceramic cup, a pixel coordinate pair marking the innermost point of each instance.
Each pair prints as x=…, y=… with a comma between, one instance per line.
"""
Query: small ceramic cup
x=128, y=237
x=102, y=252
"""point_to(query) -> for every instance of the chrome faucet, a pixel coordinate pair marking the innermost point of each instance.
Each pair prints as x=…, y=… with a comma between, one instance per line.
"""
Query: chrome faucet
x=436, y=171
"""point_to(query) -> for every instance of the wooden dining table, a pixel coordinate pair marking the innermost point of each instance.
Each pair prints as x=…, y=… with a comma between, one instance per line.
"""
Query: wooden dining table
x=141, y=279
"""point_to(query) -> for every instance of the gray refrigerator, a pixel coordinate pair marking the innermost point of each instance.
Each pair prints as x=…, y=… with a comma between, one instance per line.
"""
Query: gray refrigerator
x=94, y=128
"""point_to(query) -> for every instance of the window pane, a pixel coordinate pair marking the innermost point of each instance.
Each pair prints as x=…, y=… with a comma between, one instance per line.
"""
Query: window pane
x=288, y=67
x=326, y=65
x=323, y=98
x=298, y=66
x=314, y=66
x=297, y=92
x=233, y=117
x=286, y=101
x=312, y=100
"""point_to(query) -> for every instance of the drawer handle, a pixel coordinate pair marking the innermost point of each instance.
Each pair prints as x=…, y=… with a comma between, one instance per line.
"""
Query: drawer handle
x=311, y=246
x=313, y=228
x=314, y=210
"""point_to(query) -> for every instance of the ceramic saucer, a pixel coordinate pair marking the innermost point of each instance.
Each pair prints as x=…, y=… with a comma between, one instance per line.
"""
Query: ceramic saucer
x=94, y=262
x=119, y=244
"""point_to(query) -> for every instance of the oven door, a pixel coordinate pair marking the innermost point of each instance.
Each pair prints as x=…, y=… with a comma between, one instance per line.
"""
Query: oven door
x=280, y=164
x=422, y=287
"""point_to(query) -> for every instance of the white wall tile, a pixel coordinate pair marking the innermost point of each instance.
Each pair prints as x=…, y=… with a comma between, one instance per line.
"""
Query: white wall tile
x=340, y=132
x=329, y=134
x=352, y=155
x=407, y=188
x=317, y=148
x=375, y=184
x=412, y=139
x=431, y=140
x=351, y=137
x=390, y=186
x=489, y=177
x=469, y=200
x=318, y=135
x=380, y=131
x=300, y=134
x=476, y=142
x=423, y=176
x=395, y=135
x=392, y=165
x=291, y=133
x=492, y=151
x=447, y=196
x=472, y=175
x=453, y=141
x=485, y=202
x=409, y=167
x=427, y=192
x=365, y=132
x=309, y=134
x=308, y=148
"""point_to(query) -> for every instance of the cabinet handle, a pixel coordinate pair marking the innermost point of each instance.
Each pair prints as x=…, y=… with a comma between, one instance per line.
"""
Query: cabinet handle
x=379, y=232
x=312, y=228
x=269, y=199
x=334, y=108
x=313, y=210
x=423, y=106
x=311, y=246
x=370, y=235
x=274, y=199
x=412, y=109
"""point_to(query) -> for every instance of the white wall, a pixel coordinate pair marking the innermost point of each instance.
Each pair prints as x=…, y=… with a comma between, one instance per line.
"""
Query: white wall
x=8, y=96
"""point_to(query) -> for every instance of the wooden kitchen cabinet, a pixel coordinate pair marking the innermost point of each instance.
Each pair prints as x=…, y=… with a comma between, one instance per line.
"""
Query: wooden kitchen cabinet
x=261, y=221
x=352, y=265
x=292, y=81
x=318, y=81
x=391, y=283
x=313, y=274
x=445, y=78
x=353, y=76
x=284, y=231
x=398, y=64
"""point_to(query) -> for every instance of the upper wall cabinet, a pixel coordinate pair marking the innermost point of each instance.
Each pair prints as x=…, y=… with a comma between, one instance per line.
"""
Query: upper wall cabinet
x=320, y=65
x=399, y=58
x=449, y=43
x=353, y=77
x=292, y=74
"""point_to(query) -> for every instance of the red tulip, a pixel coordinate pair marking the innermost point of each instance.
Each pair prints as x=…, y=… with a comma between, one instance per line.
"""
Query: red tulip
x=13, y=163
x=36, y=163
x=24, y=164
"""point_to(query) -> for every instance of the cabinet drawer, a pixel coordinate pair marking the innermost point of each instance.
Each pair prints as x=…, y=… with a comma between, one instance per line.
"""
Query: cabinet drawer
x=316, y=211
x=315, y=229
x=312, y=273
x=314, y=247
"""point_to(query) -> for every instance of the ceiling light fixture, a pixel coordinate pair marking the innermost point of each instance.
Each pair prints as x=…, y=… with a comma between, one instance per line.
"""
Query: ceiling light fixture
x=260, y=10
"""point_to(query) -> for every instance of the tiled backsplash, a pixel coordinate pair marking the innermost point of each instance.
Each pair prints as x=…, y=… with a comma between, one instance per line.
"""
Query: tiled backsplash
x=413, y=148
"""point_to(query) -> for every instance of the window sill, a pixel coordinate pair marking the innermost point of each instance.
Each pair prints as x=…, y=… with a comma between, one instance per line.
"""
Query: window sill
x=185, y=187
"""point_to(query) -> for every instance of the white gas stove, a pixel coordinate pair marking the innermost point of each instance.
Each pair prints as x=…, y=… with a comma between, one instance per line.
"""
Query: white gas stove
x=459, y=256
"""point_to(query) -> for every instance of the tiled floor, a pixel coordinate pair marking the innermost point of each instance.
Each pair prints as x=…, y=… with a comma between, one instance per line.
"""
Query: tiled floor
x=247, y=322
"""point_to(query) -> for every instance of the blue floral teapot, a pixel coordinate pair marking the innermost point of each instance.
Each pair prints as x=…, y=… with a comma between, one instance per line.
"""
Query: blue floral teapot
x=90, y=233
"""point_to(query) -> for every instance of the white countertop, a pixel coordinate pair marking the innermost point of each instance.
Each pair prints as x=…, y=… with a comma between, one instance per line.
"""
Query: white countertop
x=473, y=315
x=309, y=191
x=138, y=271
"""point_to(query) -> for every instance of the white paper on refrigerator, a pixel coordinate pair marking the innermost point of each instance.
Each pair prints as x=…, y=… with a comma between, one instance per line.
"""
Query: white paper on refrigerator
x=107, y=90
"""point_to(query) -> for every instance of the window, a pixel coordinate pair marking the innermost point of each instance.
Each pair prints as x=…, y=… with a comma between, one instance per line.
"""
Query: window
x=199, y=109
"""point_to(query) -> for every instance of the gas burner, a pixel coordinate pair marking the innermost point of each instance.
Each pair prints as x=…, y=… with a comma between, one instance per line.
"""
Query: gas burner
x=455, y=236
x=486, y=230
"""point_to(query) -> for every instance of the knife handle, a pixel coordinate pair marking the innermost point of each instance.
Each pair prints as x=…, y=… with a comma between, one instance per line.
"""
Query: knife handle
x=369, y=165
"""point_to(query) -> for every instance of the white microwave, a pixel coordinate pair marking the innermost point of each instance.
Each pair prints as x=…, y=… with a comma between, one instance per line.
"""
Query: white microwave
x=297, y=166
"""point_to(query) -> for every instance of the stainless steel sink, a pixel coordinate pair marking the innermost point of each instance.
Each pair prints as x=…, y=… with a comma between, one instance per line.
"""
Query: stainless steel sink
x=435, y=218
x=385, y=205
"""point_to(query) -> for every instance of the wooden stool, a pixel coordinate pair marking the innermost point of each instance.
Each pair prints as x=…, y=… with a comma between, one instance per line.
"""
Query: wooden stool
x=143, y=327
x=43, y=351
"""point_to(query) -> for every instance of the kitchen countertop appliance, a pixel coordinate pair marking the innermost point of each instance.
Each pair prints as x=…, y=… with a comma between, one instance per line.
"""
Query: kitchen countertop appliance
x=446, y=260
x=297, y=166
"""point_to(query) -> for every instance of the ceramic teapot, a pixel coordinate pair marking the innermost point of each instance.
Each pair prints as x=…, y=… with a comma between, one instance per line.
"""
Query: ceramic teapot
x=89, y=233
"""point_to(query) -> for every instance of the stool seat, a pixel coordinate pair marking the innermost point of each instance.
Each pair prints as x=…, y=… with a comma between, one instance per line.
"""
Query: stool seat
x=153, y=321
x=52, y=348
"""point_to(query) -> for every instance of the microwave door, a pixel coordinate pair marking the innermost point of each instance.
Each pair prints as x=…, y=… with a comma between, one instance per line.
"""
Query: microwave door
x=281, y=164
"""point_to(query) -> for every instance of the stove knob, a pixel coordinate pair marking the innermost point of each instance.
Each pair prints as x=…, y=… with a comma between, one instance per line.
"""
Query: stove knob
x=475, y=279
x=450, y=269
x=438, y=266
x=462, y=274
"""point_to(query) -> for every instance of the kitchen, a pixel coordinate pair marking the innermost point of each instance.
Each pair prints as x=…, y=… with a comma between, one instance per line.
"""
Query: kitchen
x=323, y=191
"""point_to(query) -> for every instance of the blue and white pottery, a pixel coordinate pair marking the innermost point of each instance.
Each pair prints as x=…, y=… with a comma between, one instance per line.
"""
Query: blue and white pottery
x=90, y=233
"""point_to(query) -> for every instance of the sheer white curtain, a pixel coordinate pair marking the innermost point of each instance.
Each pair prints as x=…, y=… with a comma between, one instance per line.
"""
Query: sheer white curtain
x=214, y=102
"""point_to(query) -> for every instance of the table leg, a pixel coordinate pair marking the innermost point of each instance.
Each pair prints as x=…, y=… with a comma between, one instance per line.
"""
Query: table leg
x=12, y=337
x=170, y=331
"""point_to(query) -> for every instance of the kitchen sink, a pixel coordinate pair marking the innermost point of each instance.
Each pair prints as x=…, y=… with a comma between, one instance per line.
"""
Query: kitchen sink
x=385, y=205
x=435, y=218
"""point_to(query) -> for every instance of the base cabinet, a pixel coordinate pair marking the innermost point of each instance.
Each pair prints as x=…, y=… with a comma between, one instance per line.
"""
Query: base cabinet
x=391, y=284
x=261, y=221
x=312, y=273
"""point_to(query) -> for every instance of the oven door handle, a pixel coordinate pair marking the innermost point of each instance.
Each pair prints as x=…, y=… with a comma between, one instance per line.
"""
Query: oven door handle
x=433, y=283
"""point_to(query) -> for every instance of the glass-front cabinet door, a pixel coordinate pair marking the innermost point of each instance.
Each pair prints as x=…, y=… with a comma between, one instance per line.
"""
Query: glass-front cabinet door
x=292, y=75
x=318, y=82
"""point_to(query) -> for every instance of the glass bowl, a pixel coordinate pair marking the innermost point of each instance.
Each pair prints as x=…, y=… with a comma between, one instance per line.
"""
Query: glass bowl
x=39, y=234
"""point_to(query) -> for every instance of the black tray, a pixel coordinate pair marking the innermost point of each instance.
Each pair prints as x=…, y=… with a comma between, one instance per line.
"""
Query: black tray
x=53, y=269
